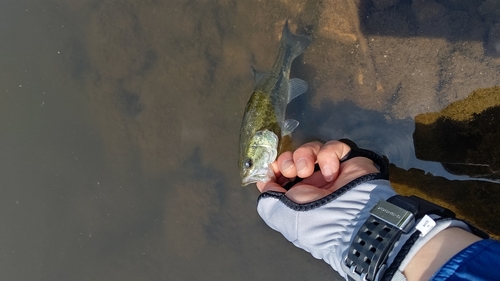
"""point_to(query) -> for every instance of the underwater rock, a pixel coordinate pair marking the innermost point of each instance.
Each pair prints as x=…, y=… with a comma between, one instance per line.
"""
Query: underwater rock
x=463, y=136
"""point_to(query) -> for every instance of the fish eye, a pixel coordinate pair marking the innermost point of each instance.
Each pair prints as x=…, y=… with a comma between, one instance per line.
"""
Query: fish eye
x=248, y=163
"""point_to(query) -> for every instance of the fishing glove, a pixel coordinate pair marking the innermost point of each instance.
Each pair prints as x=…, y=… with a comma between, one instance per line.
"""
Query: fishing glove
x=326, y=227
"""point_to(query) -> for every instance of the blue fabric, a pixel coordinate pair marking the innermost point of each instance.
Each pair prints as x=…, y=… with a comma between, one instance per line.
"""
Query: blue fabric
x=479, y=261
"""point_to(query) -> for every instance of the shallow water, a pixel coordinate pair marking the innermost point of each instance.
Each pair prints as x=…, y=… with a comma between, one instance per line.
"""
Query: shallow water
x=120, y=124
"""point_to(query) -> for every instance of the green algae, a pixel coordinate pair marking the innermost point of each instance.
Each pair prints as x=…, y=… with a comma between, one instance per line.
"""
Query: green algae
x=464, y=135
x=464, y=110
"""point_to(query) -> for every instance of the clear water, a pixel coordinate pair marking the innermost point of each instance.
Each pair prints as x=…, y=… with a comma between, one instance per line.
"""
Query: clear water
x=119, y=124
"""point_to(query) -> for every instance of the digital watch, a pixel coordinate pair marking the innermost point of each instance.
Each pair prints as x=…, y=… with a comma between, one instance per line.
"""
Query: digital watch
x=366, y=259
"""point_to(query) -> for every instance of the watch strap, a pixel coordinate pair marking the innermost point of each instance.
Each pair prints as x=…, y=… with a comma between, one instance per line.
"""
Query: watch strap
x=367, y=256
x=370, y=249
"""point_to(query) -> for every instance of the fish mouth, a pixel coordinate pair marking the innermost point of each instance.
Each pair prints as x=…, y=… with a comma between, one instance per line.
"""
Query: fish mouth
x=262, y=175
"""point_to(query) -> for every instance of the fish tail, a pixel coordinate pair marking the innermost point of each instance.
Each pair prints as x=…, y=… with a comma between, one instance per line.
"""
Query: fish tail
x=296, y=44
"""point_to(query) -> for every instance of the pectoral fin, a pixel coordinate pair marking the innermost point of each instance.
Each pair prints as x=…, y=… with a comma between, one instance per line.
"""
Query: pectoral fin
x=297, y=88
x=289, y=126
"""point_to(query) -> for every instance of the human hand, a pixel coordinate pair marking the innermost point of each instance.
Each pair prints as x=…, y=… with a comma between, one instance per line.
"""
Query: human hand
x=316, y=184
x=321, y=213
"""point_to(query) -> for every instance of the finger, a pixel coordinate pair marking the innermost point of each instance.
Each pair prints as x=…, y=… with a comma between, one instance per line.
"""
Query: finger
x=285, y=164
x=329, y=158
x=269, y=186
x=276, y=170
x=304, y=158
x=260, y=185
x=276, y=179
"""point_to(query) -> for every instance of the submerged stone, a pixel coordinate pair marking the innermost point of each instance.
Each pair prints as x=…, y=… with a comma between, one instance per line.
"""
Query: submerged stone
x=463, y=136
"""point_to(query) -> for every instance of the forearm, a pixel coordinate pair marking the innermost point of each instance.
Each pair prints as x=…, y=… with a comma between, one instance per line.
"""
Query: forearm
x=437, y=251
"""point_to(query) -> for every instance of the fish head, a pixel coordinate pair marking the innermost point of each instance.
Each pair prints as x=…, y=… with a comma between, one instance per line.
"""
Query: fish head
x=260, y=152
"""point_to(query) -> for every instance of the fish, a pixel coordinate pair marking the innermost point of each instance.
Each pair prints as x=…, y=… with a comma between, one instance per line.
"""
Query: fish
x=263, y=126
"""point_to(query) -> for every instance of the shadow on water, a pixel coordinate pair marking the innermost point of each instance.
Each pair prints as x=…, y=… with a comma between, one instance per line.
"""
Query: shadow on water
x=454, y=20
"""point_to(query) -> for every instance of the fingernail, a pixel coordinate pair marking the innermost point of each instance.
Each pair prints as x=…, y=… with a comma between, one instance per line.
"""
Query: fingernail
x=287, y=164
x=327, y=173
x=301, y=165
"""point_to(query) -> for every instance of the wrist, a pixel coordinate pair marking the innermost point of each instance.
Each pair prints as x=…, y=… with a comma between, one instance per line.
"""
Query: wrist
x=410, y=244
x=437, y=251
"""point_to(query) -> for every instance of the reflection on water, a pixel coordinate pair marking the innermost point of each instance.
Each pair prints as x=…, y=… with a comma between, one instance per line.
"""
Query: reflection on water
x=120, y=124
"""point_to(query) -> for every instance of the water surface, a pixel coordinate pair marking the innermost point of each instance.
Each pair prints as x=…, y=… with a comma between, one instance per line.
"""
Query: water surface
x=120, y=123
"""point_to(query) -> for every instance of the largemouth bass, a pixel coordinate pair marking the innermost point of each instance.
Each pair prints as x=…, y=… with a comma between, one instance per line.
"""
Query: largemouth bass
x=264, y=126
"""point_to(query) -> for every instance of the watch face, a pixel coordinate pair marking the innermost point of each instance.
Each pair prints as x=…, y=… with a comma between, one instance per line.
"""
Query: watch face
x=393, y=215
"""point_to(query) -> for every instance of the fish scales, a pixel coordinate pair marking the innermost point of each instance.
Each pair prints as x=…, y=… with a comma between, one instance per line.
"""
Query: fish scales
x=261, y=114
x=264, y=124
